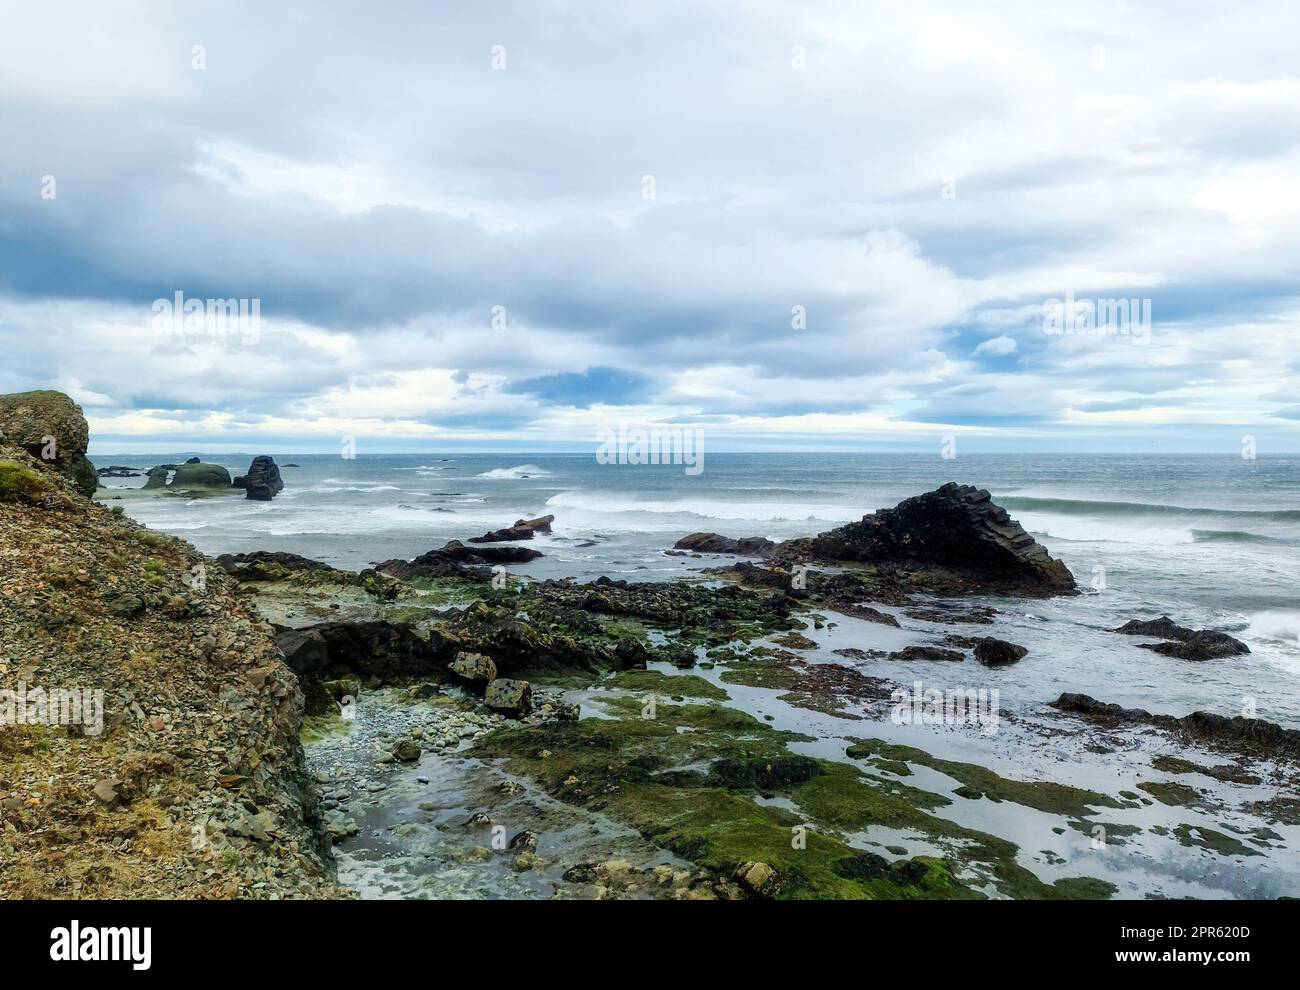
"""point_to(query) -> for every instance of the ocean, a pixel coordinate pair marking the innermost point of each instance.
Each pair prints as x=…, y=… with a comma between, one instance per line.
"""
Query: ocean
x=1212, y=541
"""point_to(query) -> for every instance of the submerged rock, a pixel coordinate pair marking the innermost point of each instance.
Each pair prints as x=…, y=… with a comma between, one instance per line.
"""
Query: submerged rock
x=1184, y=643
x=1255, y=736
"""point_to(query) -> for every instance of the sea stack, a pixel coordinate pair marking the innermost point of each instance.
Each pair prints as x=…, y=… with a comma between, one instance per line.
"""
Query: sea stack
x=262, y=482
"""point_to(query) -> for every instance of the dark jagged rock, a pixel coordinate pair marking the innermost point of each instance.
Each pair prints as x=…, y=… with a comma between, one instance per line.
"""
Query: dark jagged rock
x=1254, y=736
x=118, y=471
x=262, y=482
x=957, y=529
x=157, y=477
x=454, y=559
x=748, y=546
x=997, y=652
x=194, y=460
x=1184, y=643
x=51, y=428
x=956, y=526
x=523, y=529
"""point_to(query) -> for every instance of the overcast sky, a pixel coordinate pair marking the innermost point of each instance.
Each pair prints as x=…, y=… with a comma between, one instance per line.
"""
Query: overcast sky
x=509, y=224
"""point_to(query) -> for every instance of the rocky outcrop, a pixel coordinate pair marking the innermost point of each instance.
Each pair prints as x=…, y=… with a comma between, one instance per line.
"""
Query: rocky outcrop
x=185, y=779
x=956, y=526
x=957, y=529
x=117, y=471
x=1253, y=736
x=50, y=428
x=748, y=546
x=523, y=529
x=262, y=482
x=1184, y=643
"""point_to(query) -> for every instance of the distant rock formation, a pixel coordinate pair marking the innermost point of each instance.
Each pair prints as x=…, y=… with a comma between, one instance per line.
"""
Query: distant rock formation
x=523, y=529
x=51, y=428
x=262, y=482
x=118, y=471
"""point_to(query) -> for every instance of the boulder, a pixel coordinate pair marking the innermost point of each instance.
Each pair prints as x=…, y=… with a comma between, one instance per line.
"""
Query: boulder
x=195, y=474
x=474, y=668
x=157, y=477
x=51, y=428
x=407, y=751
x=523, y=529
x=509, y=697
x=997, y=652
x=262, y=482
x=1184, y=643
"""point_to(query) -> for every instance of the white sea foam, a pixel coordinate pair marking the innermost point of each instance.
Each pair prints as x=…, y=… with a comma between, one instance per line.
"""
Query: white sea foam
x=515, y=473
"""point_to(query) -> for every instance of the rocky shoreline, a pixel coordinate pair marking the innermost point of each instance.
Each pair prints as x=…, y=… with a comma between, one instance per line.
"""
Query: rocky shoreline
x=471, y=733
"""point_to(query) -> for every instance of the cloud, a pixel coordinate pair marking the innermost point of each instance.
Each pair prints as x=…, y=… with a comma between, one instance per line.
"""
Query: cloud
x=447, y=250
x=996, y=347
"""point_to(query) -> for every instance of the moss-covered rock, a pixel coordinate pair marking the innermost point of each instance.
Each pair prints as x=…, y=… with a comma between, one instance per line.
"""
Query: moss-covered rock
x=50, y=427
x=201, y=475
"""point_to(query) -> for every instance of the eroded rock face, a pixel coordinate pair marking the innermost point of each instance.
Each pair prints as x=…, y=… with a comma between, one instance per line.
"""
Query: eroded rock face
x=262, y=482
x=51, y=428
x=956, y=526
x=195, y=713
x=1184, y=643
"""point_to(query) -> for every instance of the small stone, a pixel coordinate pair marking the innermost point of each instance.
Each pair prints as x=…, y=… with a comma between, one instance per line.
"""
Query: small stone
x=106, y=792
